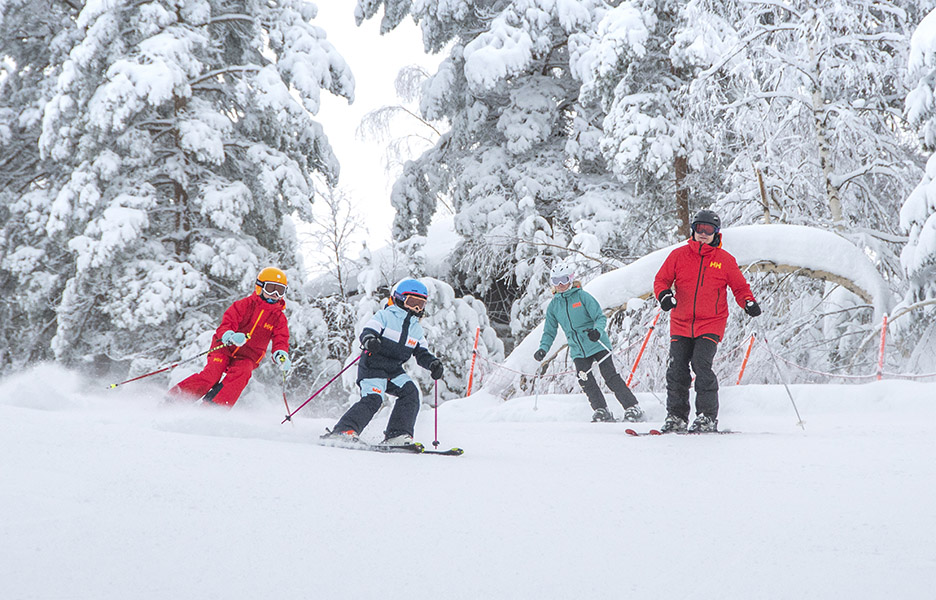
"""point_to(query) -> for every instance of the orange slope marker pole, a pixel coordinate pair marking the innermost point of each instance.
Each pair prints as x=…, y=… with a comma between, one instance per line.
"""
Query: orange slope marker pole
x=643, y=346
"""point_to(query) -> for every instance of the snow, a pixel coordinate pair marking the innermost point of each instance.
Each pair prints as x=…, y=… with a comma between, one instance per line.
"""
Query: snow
x=108, y=496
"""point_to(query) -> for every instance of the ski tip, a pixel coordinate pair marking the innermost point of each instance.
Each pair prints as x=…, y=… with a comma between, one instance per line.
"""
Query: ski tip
x=638, y=434
x=449, y=452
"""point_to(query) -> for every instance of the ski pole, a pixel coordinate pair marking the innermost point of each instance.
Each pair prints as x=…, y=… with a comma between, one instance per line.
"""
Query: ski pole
x=435, y=408
x=783, y=380
x=284, y=387
x=284, y=394
x=603, y=358
x=172, y=366
x=290, y=415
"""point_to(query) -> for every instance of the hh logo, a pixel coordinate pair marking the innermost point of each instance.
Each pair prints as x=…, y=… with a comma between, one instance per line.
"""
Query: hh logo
x=268, y=326
x=576, y=305
x=715, y=265
x=376, y=390
x=411, y=342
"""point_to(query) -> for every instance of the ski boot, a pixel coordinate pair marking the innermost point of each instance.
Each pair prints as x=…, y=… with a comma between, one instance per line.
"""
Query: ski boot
x=602, y=415
x=704, y=424
x=402, y=440
x=673, y=424
x=634, y=414
x=349, y=435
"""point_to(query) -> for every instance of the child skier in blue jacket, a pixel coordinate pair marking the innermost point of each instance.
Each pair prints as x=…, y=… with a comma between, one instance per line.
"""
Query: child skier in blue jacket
x=583, y=322
x=390, y=338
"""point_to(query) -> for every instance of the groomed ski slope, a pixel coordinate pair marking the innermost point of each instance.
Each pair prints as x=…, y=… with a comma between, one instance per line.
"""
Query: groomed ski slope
x=107, y=496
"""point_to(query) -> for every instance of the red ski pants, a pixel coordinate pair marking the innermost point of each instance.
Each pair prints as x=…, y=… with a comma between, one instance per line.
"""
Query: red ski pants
x=236, y=372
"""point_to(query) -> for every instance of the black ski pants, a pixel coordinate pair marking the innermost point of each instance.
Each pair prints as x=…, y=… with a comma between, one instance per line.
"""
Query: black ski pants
x=698, y=352
x=615, y=383
x=402, y=417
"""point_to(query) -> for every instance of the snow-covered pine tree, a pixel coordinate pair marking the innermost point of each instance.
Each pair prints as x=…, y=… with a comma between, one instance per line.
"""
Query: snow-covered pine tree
x=637, y=84
x=516, y=158
x=34, y=37
x=186, y=132
x=918, y=214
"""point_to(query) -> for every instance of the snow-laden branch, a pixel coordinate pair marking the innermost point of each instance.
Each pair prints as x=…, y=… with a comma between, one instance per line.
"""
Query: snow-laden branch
x=231, y=69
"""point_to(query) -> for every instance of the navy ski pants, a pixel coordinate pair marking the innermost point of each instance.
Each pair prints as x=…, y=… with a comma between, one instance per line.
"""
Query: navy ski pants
x=403, y=415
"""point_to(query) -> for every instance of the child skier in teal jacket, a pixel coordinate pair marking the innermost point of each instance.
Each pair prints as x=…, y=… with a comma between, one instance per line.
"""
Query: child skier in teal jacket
x=583, y=322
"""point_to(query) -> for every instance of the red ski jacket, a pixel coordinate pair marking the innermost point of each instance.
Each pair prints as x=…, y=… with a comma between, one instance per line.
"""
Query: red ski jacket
x=701, y=273
x=261, y=321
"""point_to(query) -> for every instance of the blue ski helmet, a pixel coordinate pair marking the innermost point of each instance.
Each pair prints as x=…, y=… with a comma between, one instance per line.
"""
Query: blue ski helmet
x=411, y=295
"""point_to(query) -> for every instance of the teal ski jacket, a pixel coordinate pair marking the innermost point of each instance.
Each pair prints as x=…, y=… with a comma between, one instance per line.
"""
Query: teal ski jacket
x=576, y=311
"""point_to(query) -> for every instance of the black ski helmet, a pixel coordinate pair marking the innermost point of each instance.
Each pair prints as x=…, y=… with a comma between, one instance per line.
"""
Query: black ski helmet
x=706, y=216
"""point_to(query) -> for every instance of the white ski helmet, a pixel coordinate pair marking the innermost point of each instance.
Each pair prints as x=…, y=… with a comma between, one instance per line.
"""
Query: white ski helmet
x=561, y=274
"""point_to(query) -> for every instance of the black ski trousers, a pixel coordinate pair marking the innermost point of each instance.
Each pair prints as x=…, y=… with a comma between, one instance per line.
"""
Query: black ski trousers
x=402, y=417
x=615, y=383
x=698, y=352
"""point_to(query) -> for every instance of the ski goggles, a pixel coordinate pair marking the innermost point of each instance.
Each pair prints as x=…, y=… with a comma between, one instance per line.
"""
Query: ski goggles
x=705, y=228
x=561, y=280
x=413, y=302
x=274, y=289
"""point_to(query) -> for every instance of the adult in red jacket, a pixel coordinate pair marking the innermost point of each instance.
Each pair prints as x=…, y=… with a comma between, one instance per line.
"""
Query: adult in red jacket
x=247, y=328
x=700, y=272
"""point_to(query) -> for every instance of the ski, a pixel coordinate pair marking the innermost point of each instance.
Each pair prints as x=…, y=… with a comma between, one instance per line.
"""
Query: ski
x=641, y=433
x=449, y=452
x=658, y=432
x=416, y=448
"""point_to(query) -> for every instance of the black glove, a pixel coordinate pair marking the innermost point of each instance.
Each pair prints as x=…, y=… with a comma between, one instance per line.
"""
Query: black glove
x=435, y=369
x=593, y=334
x=667, y=300
x=539, y=355
x=752, y=308
x=371, y=343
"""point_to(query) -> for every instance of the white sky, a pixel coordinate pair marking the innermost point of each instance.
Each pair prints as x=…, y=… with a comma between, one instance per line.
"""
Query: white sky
x=374, y=61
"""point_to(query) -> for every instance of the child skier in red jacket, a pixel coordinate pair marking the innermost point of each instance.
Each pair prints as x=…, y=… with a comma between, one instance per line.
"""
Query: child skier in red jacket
x=701, y=271
x=247, y=328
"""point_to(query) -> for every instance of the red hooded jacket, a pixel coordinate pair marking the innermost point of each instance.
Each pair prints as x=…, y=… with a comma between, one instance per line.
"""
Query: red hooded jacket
x=701, y=273
x=261, y=321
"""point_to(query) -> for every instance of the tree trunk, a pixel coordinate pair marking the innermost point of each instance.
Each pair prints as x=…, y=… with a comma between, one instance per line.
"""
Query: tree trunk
x=819, y=113
x=681, y=169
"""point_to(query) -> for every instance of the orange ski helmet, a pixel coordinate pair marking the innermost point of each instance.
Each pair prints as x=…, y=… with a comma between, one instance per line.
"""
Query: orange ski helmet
x=273, y=276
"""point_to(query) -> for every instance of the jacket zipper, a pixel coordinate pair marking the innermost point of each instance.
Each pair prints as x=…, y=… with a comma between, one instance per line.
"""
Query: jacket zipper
x=250, y=335
x=695, y=298
x=571, y=325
